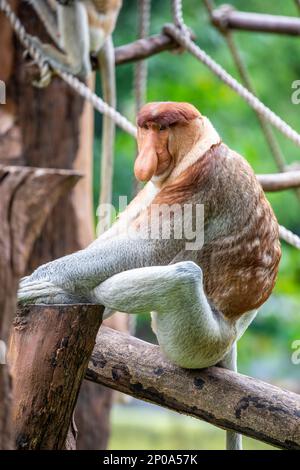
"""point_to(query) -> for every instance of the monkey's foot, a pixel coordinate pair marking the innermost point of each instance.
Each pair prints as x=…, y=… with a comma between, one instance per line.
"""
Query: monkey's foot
x=58, y=61
x=45, y=75
x=40, y=291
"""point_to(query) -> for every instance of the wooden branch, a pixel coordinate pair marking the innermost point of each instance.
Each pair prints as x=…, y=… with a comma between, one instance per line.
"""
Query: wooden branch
x=49, y=353
x=218, y=396
x=141, y=49
x=226, y=17
x=144, y=48
x=26, y=198
x=280, y=181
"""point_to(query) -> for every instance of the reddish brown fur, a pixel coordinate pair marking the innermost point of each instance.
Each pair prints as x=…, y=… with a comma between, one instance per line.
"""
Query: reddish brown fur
x=240, y=261
x=167, y=113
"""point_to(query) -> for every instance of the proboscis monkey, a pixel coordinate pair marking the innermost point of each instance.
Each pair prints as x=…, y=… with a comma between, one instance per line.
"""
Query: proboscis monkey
x=203, y=299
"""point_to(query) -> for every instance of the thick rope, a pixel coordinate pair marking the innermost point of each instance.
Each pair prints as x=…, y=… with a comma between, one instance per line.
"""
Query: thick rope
x=98, y=103
x=289, y=237
x=141, y=67
x=74, y=82
x=178, y=17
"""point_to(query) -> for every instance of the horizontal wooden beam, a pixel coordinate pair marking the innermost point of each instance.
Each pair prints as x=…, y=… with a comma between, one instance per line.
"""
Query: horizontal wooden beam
x=141, y=49
x=144, y=48
x=280, y=181
x=226, y=17
x=218, y=396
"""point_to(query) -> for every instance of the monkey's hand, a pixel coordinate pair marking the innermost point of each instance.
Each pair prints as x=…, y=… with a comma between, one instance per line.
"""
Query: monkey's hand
x=57, y=61
x=41, y=292
x=45, y=286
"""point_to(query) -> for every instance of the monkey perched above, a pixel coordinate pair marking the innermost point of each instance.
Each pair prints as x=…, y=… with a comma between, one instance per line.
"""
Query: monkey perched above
x=201, y=300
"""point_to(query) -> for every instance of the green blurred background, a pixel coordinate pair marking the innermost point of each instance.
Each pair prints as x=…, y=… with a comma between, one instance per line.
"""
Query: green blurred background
x=273, y=62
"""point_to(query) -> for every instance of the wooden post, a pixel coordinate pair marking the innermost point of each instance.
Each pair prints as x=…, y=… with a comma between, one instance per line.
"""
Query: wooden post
x=26, y=198
x=219, y=396
x=49, y=352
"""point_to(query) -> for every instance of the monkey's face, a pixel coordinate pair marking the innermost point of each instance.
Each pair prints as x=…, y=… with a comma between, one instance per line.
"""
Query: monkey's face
x=163, y=128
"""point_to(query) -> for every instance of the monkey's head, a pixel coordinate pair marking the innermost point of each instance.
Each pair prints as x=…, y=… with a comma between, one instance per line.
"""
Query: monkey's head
x=166, y=132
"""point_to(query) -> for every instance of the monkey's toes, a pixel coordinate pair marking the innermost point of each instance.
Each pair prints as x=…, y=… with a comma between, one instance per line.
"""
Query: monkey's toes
x=38, y=291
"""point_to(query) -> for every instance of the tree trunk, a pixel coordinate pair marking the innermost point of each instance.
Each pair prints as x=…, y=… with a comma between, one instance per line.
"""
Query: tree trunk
x=26, y=198
x=51, y=346
x=52, y=127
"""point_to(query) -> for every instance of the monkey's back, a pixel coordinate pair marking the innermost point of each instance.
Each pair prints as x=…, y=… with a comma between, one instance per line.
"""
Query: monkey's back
x=241, y=249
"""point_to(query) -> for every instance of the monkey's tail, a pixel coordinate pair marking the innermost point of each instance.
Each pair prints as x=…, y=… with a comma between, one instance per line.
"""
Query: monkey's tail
x=234, y=440
x=107, y=69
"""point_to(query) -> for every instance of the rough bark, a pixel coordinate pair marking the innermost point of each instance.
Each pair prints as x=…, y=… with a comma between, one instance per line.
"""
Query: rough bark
x=49, y=352
x=52, y=127
x=26, y=198
x=218, y=396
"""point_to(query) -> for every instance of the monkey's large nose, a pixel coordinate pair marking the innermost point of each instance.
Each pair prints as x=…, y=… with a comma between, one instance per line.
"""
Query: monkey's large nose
x=146, y=164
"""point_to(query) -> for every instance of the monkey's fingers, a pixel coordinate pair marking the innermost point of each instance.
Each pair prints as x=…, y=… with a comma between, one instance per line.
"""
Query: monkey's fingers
x=39, y=291
x=44, y=80
x=46, y=73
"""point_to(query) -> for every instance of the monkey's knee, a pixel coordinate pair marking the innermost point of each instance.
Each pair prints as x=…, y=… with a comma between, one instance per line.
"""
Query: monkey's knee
x=188, y=270
x=187, y=277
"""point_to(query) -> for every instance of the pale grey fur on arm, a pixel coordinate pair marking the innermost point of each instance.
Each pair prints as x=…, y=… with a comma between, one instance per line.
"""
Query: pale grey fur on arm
x=82, y=271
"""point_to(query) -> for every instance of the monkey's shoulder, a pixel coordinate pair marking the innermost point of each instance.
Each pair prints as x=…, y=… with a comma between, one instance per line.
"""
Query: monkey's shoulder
x=231, y=167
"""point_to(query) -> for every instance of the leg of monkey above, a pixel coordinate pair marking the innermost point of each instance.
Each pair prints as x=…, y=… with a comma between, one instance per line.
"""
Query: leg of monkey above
x=78, y=27
x=203, y=299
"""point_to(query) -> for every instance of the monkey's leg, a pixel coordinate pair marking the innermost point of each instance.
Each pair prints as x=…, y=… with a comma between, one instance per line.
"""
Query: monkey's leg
x=188, y=331
x=48, y=17
x=234, y=440
x=74, y=40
